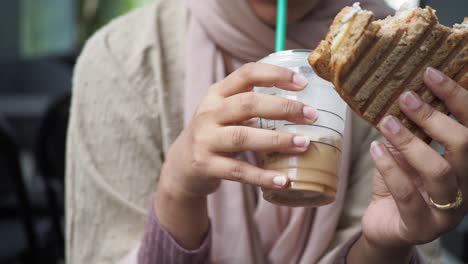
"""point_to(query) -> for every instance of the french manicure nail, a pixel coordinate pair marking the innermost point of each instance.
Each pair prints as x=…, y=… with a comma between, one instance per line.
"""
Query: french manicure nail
x=411, y=100
x=299, y=80
x=391, y=124
x=310, y=113
x=434, y=75
x=301, y=141
x=376, y=150
x=280, y=180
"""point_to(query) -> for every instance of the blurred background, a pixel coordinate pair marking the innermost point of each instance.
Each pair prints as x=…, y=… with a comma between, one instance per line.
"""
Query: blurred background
x=40, y=41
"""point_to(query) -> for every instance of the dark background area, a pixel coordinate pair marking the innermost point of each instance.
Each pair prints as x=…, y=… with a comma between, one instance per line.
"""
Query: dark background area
x=9, y=30
x=40, y=40
x=449, y=11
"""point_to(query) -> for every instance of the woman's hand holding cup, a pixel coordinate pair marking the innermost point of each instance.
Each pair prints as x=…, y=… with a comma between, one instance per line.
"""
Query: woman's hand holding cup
x=206, y=151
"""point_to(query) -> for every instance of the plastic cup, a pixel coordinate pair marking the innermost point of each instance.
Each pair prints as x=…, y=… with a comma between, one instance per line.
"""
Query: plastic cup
x=314, y=174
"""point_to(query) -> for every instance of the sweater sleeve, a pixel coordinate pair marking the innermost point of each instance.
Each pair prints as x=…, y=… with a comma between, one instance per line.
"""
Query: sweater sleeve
x=158, y=246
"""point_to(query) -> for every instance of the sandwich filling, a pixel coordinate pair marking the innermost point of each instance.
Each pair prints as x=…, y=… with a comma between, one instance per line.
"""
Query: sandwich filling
x=405, y=11
x=461, y=26
x=347, y=22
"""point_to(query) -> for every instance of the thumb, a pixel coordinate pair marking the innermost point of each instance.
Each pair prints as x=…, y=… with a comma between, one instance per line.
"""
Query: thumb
x=380, y=188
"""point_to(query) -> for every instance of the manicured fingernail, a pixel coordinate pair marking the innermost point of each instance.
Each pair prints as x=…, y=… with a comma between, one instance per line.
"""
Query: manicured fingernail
x=411, y=100
x=280, y=180
x=376, y=150
x=301, y=141
x=434, y=75
x=391, y=125
x=310, y=113
x=299, y=80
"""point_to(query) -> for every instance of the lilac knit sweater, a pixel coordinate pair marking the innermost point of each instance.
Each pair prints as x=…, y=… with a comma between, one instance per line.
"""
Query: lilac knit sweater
x=158, y=246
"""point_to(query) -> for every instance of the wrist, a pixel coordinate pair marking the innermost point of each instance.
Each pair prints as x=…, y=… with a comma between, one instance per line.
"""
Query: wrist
x=171, y=208
x=183, y=215
x=167, y=195
x=172, y=183
x=171, y=194
x=402, y=251
x=367, y=251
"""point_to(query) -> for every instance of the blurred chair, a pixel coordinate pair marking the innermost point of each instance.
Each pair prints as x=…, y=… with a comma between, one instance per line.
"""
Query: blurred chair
x=50, y=158
x=27, y=87
x=19, y=240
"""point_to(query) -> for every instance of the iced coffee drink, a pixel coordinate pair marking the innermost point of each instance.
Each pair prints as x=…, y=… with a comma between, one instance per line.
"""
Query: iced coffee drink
x=313, y=174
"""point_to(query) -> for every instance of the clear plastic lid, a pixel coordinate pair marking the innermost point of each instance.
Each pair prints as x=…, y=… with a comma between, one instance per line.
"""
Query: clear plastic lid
x=319, y=94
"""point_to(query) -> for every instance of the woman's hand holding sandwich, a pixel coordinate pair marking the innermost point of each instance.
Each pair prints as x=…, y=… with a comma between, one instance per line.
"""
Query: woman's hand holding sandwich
x=413, y=178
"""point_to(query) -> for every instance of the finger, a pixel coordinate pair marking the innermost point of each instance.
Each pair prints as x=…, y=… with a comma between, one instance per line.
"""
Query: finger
x=261, y=75
x=240, y=171
x=244, y=106
x=450, y=92
x=409, y=201
x=437, y=125
x=435, y=171
x=252, y=122
x=240, y=138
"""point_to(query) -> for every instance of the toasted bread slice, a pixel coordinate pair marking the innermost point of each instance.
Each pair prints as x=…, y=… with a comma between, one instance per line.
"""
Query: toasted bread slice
x=371, y=63
x=441, y=53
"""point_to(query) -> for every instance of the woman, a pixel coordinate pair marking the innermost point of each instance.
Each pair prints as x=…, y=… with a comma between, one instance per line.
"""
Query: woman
x=127, y=141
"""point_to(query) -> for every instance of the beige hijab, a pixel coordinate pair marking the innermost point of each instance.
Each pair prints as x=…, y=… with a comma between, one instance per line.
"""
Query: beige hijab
x=243, y=233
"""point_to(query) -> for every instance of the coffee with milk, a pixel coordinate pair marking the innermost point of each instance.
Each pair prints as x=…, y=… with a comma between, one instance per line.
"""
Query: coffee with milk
x=313, y=174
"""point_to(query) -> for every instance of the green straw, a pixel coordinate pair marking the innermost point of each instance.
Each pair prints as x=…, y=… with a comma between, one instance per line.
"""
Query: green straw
x=281, y=19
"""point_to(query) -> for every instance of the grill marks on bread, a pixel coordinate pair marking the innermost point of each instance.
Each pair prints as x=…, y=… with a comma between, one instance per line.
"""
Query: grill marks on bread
x=379, y=60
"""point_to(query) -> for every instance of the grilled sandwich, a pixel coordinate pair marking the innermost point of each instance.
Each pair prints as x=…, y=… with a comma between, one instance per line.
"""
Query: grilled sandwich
x=372, y=62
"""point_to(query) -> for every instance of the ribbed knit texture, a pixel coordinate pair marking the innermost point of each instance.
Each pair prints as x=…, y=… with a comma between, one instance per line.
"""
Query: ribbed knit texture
x=158, y=246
